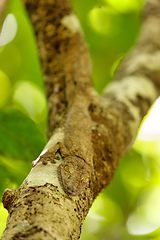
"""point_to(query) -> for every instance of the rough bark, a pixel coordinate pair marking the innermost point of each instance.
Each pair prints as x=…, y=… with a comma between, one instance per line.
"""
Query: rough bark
x=92, y=131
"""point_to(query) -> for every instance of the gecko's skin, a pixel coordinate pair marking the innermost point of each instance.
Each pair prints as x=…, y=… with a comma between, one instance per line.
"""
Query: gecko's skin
x=75, y=171
x=73, y=175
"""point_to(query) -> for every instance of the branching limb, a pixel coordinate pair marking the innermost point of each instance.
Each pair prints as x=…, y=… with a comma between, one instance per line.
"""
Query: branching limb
x=40, y=207
x=119, y=112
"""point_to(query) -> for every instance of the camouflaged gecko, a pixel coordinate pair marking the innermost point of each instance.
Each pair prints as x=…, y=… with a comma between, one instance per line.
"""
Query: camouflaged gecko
x=75, y=171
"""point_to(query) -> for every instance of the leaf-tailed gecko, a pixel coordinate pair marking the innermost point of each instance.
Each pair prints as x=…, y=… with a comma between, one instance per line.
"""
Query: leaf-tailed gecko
x=75, y=171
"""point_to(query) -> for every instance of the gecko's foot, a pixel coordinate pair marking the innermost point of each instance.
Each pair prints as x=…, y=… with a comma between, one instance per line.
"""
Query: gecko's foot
x=73, y=174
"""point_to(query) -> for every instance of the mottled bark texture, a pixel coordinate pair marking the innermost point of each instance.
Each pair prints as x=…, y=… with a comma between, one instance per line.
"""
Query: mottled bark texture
x=83, y=127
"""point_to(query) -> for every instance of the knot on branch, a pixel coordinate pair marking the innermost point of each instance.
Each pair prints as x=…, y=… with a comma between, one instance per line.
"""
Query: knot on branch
x=7, y=198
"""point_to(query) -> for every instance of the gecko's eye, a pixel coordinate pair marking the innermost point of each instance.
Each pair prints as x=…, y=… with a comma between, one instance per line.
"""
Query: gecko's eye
x=69, y=169
x=84, y=180
x=66, y=168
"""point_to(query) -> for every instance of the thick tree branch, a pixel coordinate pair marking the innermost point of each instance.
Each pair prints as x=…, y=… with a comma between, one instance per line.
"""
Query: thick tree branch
x=127, y=99
x=92, y=132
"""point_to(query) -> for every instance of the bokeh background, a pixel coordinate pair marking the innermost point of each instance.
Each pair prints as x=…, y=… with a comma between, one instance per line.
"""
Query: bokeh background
x=129, y=208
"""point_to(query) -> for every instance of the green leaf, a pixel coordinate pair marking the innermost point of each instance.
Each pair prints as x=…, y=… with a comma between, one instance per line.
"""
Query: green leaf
x=20, y=136
x=3, y=218
x=12, y=173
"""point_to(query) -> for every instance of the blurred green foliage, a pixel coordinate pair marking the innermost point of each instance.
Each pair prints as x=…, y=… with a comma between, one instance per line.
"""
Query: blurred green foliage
x=110, y=28
x=129, y=208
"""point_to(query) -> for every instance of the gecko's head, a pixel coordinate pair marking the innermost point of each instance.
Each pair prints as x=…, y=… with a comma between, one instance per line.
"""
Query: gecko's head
x=73, y=175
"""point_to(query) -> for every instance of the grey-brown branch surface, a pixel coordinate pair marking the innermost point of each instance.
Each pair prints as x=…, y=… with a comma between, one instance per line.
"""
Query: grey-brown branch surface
x=88, y=134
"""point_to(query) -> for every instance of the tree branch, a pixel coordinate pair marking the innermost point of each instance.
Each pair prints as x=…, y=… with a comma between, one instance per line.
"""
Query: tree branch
x=40, y=207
